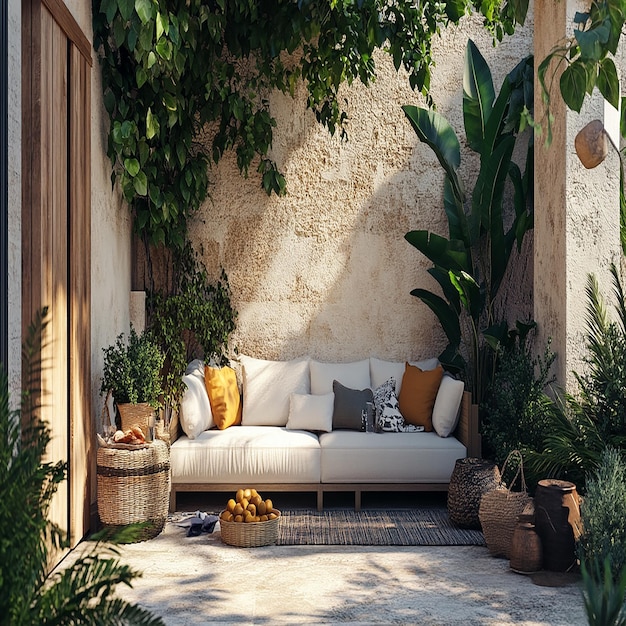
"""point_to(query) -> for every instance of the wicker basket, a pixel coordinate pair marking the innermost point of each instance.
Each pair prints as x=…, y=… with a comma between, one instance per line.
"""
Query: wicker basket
x=250, y=535
x=470, y=479
x=135, y=415
x=499, y=510
x=133, y=487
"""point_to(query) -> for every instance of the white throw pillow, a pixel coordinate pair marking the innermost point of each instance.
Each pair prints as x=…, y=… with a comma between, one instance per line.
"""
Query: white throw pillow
x=267, y=386
x=309, y=412
x=447, y=405
x=195, y=409
x=381, y=371
x=196, y=368
x=354, y=375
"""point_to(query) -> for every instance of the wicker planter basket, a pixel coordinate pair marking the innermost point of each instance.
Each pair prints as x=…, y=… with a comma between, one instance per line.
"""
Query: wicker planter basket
x=134, y=486
x=135, y=415
x=250, y=535
x=500, y=509
x=470, y=479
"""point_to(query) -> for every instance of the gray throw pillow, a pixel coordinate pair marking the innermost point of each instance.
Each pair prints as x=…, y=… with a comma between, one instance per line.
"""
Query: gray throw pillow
x=348, y=406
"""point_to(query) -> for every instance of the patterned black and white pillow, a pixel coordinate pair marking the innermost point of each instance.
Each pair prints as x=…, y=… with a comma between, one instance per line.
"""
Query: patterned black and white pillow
x=388, y=416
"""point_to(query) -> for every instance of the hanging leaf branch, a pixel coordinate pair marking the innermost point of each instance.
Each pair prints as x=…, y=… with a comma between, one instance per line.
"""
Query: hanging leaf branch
x=586, y=59
x=178, y=70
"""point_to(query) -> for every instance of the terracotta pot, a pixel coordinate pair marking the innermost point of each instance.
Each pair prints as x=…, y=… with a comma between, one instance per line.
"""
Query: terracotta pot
x=557, y=520
x=591, y=144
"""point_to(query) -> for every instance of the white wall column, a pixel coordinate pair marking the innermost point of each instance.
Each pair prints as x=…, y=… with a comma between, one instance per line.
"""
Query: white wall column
x=576, y=210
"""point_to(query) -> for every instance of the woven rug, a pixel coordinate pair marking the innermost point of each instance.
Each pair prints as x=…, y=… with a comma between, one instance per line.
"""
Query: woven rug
x=400, y=527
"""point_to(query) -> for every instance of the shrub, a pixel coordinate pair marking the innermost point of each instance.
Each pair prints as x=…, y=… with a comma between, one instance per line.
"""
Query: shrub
x=133, y=370
x=518, y=411
x=603, y=516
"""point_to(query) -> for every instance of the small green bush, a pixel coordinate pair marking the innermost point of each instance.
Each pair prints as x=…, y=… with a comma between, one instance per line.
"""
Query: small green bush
x=603, y=516
x=133, y=370
x=517, y=412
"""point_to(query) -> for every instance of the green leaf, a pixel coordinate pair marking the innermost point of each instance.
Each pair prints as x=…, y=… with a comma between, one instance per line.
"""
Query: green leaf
x=126, y=8
x=590, y=44
x=447, y=317
x=140, y=76
x=151, y=59
x=170, y=102
x=164, y=49
x=573, y=85
x=162, y=25
x=487, y=200
x=478, y=96
x=140, y=183
x=109, y=8
x=608, y=82
x=435, y=131
x=622, y=124
x=152, y=125
x=144, y=10
x=131, y=166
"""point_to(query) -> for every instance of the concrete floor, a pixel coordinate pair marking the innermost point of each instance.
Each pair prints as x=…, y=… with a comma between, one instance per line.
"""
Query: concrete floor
x=201, y=580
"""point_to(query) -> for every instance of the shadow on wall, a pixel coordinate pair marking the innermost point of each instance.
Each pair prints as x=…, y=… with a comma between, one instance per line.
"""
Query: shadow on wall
x=325, y=271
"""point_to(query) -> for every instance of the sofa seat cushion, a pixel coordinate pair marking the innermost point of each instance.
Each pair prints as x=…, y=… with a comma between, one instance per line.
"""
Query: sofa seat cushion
x=358, y=457
x=247, y=455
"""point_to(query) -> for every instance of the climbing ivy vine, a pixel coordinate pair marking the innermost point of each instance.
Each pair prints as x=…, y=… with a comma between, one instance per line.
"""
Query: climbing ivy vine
x=187, y=80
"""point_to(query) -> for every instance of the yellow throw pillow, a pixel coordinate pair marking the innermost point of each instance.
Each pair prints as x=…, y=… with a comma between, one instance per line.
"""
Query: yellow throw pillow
x=221, y=386
x=417, y=395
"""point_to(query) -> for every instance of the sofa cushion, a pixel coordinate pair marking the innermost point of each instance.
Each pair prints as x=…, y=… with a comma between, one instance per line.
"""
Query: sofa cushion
x=388, y=416
x=354, y=375
x=310, y=412
x=355, y=457
x=381, y=371
x=267, y=387
x=349, y=405
x=221, y=386
x=196, y=368
x=247, y=455
x=195, y=409
x=418, y=394
x=447, y=405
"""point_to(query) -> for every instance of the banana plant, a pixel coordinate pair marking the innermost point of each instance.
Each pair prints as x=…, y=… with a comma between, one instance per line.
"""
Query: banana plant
x=483, y=227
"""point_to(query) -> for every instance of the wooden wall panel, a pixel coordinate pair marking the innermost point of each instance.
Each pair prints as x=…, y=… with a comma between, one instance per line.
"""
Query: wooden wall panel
x=81, y=435
x=56, y=247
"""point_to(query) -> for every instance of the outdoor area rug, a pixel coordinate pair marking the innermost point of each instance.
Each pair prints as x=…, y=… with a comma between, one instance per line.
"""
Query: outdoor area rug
x=399, y=527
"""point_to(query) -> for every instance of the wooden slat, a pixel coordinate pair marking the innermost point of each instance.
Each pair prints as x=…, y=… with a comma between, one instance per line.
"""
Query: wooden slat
x=81, y=436
x=56, y=267
x=70, y=27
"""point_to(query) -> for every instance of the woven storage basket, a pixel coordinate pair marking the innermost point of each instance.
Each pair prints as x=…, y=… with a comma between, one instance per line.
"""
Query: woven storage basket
x=134, y=486
x=250, y=535
x=499, y=510
x=470, y=479
x=135, y=415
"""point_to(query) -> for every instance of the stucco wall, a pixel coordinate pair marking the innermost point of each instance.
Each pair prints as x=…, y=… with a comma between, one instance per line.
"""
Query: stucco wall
x=325, y=271
x=576, y=215
x=14, y=83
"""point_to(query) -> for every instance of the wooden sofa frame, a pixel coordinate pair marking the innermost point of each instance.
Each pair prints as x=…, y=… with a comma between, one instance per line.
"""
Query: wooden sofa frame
x=467, y=432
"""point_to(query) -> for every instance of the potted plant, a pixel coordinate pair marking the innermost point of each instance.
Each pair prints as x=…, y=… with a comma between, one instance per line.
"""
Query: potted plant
x=132, y=374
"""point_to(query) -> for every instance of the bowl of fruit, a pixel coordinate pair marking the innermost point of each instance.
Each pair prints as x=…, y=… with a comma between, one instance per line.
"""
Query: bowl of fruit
x=249, y=521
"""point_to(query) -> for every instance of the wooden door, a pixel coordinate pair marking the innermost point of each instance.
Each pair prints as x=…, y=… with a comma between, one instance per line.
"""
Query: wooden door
x=56, y=238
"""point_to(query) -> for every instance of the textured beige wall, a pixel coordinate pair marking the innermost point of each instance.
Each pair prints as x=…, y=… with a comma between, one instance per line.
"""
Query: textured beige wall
x=576, y=215
x=325, y=271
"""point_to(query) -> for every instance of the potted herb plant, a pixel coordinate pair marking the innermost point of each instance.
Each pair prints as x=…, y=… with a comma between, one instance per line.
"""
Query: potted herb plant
x=132, y=373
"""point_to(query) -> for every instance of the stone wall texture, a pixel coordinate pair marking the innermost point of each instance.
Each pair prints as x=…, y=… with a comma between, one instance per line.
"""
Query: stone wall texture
x=325, y=271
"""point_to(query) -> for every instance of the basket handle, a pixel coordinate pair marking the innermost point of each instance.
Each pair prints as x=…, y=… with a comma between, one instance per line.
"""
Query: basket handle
x=520, y=469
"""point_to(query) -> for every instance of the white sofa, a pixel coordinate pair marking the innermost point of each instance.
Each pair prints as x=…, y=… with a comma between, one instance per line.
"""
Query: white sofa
x=286, y=441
